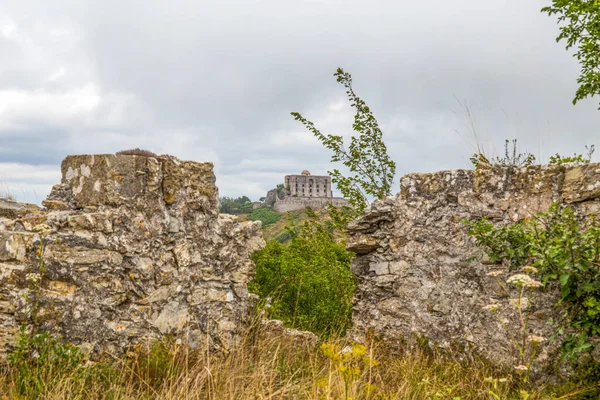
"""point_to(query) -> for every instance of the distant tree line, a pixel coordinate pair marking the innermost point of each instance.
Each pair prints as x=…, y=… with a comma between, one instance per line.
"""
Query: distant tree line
x=240, y=205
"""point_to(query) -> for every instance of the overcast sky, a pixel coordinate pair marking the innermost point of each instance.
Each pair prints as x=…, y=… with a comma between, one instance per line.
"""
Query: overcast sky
x=217, y=80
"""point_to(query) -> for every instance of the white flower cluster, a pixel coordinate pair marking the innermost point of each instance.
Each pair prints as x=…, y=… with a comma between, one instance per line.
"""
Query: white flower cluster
x=529, y=269
x=524, y=280
x=33, y=277
x=533, y=284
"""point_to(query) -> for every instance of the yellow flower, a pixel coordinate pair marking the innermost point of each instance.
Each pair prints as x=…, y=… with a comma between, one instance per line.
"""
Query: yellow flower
x=359, y=350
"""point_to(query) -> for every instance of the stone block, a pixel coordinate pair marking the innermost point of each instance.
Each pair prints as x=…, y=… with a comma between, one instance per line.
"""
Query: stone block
x=581, y=183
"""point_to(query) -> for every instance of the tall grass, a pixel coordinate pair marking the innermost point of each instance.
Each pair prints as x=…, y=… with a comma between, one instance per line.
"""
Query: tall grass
x=266, y=366
x=5, y=193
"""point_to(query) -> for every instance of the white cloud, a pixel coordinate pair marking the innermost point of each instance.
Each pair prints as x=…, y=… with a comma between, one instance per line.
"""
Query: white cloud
x=57, y=75
x=27, y=183
x=17, y=106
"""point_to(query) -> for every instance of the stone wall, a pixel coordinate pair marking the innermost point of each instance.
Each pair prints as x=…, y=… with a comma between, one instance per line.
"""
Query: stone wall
x=133, y=248
x=414, y=257
x=290, y=203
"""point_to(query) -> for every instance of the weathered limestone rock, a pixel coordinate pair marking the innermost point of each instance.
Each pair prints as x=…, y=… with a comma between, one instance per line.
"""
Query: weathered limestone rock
x=272, y=329
x=133, y=248
x=414, y=257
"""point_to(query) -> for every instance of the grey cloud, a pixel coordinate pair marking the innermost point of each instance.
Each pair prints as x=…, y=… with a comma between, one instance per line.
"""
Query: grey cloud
x=218, y=79
x=34, y=146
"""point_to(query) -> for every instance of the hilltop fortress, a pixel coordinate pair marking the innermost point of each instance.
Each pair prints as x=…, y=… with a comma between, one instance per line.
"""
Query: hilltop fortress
x=300, y=191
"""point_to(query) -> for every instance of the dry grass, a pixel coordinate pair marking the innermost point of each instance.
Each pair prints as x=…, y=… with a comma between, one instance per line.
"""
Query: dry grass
x=270, y=368
x=5, y=193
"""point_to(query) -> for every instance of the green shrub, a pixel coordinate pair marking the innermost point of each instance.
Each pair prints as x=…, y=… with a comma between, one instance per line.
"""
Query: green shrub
x=283, y=237
x=563, y=250
x=512, y=158
x=265, y=215
x=39, y=359
x=575, y=159
x=309, y=280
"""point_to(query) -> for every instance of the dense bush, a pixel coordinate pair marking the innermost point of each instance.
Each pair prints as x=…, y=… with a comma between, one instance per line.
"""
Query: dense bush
x=265, y=215
x=308, y=280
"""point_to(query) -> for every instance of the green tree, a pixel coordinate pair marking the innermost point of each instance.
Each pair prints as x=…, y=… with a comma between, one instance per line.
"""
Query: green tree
x=581, y=29
x=241, y=205
x=372, y=170
x=308, y=279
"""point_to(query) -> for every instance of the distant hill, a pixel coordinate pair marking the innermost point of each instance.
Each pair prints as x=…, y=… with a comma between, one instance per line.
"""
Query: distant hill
x=274, y=223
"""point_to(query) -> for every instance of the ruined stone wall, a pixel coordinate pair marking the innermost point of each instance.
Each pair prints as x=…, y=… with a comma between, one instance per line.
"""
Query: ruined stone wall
x=414, y=257
x=290, y=203
x=133, y=248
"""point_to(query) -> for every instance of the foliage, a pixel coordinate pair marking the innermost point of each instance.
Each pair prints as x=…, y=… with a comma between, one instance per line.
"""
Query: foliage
x=576, y=159
x=340, y=217
x=581, y=29
x=512, y=158
x=265, y=215
x=283, y=237
x=240, y=205
x=586, y=373
x=38, y=358
x=564, y=250
x=309, y=279
x=372, y=170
